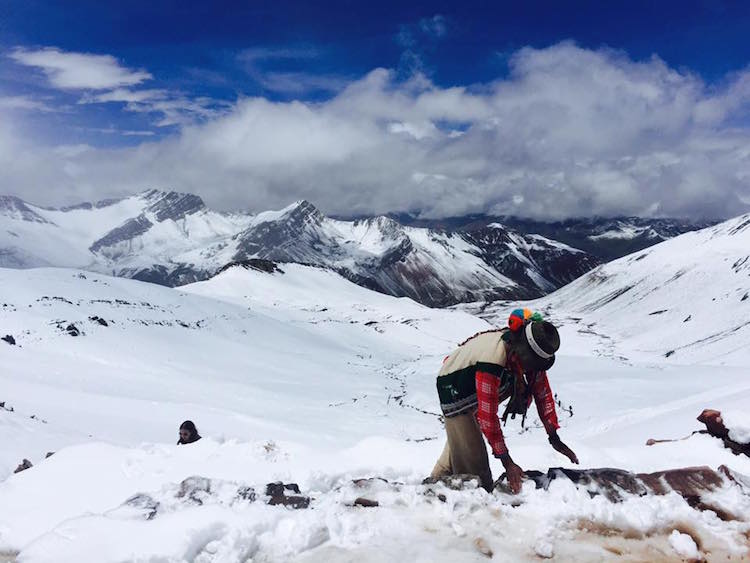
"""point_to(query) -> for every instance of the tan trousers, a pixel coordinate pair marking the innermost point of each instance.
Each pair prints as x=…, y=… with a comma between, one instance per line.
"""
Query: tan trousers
x=465, y=450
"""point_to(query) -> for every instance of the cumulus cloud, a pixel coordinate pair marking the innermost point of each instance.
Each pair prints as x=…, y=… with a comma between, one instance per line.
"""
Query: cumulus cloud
x=77, y=71
x=101, y=80
x=569, y=132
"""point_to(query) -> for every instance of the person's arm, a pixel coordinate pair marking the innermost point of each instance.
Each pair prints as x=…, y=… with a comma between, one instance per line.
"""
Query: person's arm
x=545, y=406
x=488, y=402
x=545, y=403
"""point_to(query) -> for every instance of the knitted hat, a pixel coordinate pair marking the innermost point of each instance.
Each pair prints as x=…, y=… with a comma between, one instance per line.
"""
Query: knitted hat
x=536, y=345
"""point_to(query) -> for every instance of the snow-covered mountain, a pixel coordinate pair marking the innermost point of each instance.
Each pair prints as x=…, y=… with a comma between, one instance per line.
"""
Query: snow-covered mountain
x=686, y=299
x=606, y=238
x=612, y=238
x=293, y=373
x=172, y=239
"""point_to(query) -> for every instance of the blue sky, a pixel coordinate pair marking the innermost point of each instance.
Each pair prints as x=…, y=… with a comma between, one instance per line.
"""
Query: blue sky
x=131, y=77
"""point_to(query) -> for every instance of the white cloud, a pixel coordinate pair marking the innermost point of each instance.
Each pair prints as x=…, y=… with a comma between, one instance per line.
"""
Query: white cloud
x=125, y=95
x=79, y=71
x=26, y=103
x=570, y=132
x=172, y=108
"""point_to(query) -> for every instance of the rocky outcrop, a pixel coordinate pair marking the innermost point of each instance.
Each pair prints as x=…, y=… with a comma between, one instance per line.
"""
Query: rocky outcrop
x=16, y=208
x=715, y=427
x=286, y=494
x=257, y=264
x=537, y=264
x=125, y=232
x=23, y=466
x=173, y=276
x=692, y=483
x=202, y=491
x=172, y=205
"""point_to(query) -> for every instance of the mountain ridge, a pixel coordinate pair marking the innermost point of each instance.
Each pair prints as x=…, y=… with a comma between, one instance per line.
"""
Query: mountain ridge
x=173, y=238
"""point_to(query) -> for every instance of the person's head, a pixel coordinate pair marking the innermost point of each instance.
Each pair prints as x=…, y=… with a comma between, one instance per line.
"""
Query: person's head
x=188, y=431
x=535, y=344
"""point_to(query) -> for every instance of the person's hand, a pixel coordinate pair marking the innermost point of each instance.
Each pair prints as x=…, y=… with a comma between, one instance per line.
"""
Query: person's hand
x=513, y=473
x=561, y=447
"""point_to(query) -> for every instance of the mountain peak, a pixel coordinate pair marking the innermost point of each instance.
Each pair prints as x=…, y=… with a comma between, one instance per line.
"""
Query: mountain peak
x=16, y=208
x=172, y=205
x=303, y=210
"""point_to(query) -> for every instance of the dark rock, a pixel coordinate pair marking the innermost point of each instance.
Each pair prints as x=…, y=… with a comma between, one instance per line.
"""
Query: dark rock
x=173, y=276
x=99, y=320
x=72, y=330
x=279, y=488
x=125, y=232
x=173, y=205
x=9, y=339
x=49, y=455
x=258, y=264
x=277, y=493
x=247, y=493
x=691, y=483
x=365, y=502
x=716, y=428
x=296, y=502
x=23, y=466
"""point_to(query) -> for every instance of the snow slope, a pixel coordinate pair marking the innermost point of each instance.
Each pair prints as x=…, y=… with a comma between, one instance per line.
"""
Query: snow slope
x=685, y=300
x=169, y=353
x=300, y=375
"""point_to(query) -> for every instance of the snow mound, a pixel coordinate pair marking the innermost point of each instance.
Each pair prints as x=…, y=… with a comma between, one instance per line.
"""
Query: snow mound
x=147, y=510
x=738, y=423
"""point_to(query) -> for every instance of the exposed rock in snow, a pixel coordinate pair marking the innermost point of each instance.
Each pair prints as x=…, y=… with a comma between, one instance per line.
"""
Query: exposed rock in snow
x=17, y=209
x=731, y=428
x=23, y=466
x=693, y=483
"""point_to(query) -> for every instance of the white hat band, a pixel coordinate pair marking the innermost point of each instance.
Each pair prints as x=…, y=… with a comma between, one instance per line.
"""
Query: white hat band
x=534, y=346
